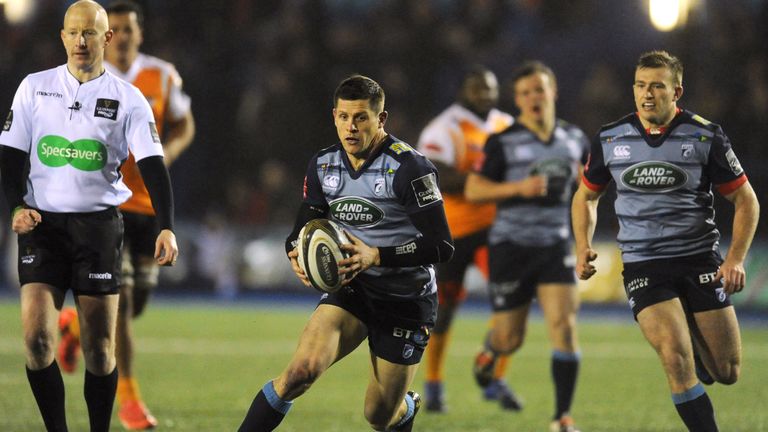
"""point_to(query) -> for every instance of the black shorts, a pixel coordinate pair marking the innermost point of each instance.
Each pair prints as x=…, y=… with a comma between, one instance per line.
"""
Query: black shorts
x=139, y=241
x=463, y=255
x=691, y=279
x=80, y=251
x=398, y=331
x=516, y=271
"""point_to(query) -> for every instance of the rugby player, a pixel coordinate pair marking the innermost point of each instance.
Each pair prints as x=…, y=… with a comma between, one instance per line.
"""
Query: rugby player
x=530, y=170
x=75, y=125
x=664, y=161
x=391, y=298
x=162, y=86
x=453, y=141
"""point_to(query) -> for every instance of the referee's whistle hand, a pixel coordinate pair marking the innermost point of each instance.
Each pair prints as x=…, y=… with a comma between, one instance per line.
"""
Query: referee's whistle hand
x=25, y=220
x=166, y=250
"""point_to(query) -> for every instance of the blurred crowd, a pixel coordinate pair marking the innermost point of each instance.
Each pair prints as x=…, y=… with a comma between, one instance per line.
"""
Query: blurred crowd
x=261, y=76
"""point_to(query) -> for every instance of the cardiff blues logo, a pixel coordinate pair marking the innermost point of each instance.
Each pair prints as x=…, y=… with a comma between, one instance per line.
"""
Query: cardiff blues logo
x=378, y=187
x=721, y=295
x=407, y=351
x=686, y=151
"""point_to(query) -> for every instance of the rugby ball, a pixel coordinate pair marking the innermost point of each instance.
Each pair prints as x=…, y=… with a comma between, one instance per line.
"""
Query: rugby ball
x=319, y=247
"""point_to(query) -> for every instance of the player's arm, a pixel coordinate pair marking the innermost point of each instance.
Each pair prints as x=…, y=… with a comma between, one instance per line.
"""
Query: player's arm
x=596, y=177
x=158, y=183
x=12, y=162
x=746, y=215
x=584, y=220
x=314, y=206
x=178, y=137
x=488, y=185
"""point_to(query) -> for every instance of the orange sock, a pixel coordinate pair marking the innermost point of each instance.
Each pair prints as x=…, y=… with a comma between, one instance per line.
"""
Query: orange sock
x=438, y=343
x=501, y=367
x=127, y=390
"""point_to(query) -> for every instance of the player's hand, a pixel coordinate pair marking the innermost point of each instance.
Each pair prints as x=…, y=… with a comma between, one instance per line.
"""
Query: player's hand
x=363, y=257
x=584, y=267
x=533, y=186
x=25, y=220
x=166, y=250
x=733, y=276
x=294, y=257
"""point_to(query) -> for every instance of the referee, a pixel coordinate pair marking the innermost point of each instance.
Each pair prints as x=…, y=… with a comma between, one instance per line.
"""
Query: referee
x=68, y=132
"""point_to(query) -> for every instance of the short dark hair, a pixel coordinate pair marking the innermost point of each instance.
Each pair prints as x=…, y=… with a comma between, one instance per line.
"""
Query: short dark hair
x=359, y=87
x=125, y=7
x=475, y=71
x=660, y=58
x=532, y=67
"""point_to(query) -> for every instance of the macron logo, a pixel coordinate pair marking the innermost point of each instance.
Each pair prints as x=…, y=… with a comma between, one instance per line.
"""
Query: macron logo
x=100, y=276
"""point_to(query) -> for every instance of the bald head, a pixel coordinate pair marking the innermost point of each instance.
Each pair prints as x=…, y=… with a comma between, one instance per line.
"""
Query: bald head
x=85, y=35
x=90, y=9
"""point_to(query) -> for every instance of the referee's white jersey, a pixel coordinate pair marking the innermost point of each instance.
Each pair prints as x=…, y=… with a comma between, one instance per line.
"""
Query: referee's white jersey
x=77, y=136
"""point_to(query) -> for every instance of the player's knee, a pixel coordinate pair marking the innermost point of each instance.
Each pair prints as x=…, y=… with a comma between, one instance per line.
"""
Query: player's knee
x=99, y=356
x=507, y=342
x=39, y=345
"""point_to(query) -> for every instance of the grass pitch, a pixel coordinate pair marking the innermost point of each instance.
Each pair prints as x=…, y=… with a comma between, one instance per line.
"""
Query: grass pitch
x=200, y=366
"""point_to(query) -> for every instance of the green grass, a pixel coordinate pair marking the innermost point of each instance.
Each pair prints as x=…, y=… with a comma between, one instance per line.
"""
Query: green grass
x=200, y=367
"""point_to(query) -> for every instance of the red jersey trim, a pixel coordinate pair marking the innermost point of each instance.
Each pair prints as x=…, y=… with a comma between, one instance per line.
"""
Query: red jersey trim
x=593, y=187
x=728, y=188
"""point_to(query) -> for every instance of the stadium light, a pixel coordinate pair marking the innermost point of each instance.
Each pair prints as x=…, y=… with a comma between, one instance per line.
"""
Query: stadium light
x=18, y=11
x=667, y=15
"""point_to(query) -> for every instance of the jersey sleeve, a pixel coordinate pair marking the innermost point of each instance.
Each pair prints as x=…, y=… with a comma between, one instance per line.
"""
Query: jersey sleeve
x=415, y=184
x=179, y=103
x=493, y=164
x=313, y=190
x=141, y=129
x=596, y=174
x=724, y=168
x=436, y=142
x=17, y=128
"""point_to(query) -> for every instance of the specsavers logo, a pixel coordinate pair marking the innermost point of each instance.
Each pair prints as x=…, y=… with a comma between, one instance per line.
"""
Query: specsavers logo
x=84, y=154
x=654, y=176
x=356, y=211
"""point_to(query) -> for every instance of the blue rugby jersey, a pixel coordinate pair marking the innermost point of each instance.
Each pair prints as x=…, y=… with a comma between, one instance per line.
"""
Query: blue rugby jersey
x=373, y=204
x=517, y=153
x=664, y=184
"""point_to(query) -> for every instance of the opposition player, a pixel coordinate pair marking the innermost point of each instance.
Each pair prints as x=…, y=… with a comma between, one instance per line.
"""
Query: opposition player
x=74, y=125
x=162, y=86
x=454, y=142
x=664, y=161
x=530, y=170
x=385, y=195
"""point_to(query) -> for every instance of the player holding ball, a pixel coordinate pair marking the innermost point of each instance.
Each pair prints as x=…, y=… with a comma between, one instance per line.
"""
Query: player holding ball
x=384, y=195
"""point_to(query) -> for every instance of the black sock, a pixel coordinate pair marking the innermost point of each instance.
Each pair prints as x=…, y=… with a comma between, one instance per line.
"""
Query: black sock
x=48, y=388
x=266, y=412
x=695, y=408
x=565, y=369
x=100, y=397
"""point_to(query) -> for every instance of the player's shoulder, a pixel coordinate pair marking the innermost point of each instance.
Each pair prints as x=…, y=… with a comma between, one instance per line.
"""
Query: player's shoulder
x=696, y=121
x=45, y=75
x=400, y=150
x=620, y=127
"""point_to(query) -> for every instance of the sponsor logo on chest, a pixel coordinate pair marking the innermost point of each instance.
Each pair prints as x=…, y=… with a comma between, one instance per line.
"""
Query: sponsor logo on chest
x=356, y=211
x=83, y=154
x=654, y=177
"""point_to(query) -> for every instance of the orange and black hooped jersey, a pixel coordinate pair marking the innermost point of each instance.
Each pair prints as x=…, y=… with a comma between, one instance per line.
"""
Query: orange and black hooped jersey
x=456, y=138
x=161, y=85
x=664, y=183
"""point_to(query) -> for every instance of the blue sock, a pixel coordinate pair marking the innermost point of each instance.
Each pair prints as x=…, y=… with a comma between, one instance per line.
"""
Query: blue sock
x=695, y=408
x=408, y=414
x=266, y=412
x=565, y=369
